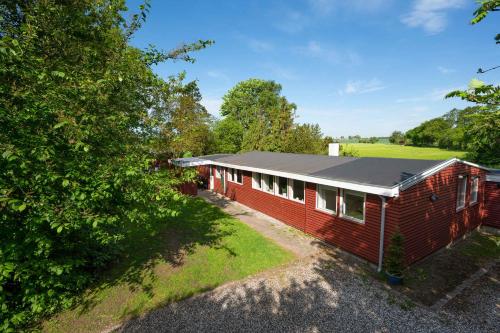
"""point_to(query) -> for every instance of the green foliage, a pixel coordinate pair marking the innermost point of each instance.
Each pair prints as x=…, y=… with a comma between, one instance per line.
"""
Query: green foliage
x=429, y=132
x=228, y=135
x=74, y=103
x=348, y=150
x=394, y=257
x=307, y=139
x=397, y=137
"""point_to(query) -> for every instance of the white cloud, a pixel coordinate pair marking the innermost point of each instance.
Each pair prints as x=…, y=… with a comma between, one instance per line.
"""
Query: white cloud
x=329, y=54
x=212, y=105
x=444, y=70
x=430, y=14
x=361, y=87
x=433, y=96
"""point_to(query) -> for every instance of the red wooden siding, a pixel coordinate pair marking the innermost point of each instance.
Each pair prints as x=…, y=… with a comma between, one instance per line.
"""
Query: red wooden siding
x=491, y=214
x=428, y=226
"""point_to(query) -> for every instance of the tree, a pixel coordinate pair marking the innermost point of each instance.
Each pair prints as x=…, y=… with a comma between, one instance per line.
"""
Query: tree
x=228, y=135
x=75, y=103
x=306, y=139
x=397, y=137
x=482, y=134
x=265, y=116
x=429, y=132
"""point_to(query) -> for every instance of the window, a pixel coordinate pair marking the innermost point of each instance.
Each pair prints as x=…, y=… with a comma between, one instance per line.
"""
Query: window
x=326, y=199
x=474, y=190
x=236, y=176
x=296, y=190
x=353, y=205
x=462, y=188
x=282, y=186
x=217, y=171
x=257, y=180
x=268, y=183
x=230, y=174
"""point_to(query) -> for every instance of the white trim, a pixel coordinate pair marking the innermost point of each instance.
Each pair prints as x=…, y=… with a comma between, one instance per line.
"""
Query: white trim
x=464, y=179
x=389, y=192
x=493, y=178
x=320, y=198
x=342, y=206
x=265, y=185
x=254, y=181
x=291, y=192
x=232, y=173
x=474, y=188
x=277, y=187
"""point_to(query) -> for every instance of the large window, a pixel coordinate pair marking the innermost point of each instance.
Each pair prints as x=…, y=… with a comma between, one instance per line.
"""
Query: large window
x=326, y=199
x=474, y=190
x=257, y=180
x=297, y=190
x=282, y=186
x=353, y=205
x=268, y=183
x=236, y=176
x=462, y=189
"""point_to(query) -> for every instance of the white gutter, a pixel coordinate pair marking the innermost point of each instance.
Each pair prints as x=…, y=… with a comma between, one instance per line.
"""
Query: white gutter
x=382, y=230
x=385, y=191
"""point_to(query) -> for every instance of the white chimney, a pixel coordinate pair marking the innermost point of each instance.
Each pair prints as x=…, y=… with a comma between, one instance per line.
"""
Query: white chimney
x=333, y=149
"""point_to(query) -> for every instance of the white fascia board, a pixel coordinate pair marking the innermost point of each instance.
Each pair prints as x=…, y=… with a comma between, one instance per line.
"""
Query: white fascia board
x=388, y=192
x=429, y=172
x=184, y=164
x=475, y=165
x=493, y=178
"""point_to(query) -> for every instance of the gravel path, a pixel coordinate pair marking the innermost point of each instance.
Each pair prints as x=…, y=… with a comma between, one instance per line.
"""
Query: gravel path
x=322, y=291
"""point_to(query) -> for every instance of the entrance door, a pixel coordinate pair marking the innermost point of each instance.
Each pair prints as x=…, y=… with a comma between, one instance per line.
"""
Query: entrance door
x=223, y=180
x=212, y=179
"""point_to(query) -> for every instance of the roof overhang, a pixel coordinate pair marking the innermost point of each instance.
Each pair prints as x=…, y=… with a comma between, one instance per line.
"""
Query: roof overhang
x=384, y=191
x=190, y=162
x=493, y=178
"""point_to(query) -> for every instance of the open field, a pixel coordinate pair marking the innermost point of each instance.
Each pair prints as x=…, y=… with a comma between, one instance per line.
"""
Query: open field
x=197, y=251
x=397, y=151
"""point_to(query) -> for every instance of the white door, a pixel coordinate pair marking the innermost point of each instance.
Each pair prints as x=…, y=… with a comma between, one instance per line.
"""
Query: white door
x=211, y=182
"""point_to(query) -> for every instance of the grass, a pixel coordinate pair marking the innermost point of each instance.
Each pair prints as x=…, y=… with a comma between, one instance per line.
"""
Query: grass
x=199, y=250
x=397, y=151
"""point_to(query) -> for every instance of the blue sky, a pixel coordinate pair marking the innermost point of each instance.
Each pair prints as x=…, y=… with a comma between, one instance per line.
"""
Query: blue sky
x=363, y=67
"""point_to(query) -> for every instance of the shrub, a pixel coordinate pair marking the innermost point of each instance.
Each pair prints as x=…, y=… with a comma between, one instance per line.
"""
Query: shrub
x=394, y=260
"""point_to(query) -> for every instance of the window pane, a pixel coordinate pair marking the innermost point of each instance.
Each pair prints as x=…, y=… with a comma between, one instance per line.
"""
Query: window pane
x=298, y=190
x=282, y=186
x=257, y=180
x=330, y=199
x=270, y=181
x=354, y=206
x=462, y=187
x=239, y=176
x=475, y=188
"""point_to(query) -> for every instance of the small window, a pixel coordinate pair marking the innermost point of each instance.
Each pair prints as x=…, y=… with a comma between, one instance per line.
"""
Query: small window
x=326, y=199
x=353, y=205
x=268, y=183
x=297, y=190
x=257, y=180
x=239, y=176
x=462, y=189
x=282, y=186
x=217, y=171
x=474, y=190
x=230, y=174
x=235, y=176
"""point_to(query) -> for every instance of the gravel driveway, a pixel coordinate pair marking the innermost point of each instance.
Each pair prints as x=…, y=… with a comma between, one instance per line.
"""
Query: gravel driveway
x=322, y=291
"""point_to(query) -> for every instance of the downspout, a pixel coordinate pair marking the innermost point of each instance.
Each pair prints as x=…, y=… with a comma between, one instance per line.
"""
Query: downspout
x=382, y=227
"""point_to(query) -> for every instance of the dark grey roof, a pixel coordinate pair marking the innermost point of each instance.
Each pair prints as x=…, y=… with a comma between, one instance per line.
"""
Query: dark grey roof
x=384, y=172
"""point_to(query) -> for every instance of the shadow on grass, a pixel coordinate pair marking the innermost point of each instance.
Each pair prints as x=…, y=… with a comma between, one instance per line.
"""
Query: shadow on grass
x=170, y=240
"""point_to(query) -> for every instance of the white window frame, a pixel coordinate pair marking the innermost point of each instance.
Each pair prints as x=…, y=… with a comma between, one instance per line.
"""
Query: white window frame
x=343, y=206
x=320, y=199
x=474, y=191
x=462, y=180
x=291, y=193
x=217, y=171
x=276, y=186
x=265, y=187
x=233, y=176
x=255, y=182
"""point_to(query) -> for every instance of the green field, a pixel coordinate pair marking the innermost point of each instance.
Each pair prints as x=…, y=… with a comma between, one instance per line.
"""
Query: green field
x=197, y=251
x=397, y=151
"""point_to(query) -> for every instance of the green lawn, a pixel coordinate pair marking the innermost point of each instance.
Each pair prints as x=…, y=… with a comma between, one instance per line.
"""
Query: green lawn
x=397, y=151
x=195, y=252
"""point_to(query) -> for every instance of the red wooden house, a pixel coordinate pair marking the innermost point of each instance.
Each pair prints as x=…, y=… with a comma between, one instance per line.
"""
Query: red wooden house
x=357, y=203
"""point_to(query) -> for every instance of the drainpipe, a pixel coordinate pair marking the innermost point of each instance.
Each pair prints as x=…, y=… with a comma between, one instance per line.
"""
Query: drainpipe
x=382, y=227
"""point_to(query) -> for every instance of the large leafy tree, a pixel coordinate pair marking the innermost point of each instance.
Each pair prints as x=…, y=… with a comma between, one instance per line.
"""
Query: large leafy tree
x=483, y=132
x=75, y=103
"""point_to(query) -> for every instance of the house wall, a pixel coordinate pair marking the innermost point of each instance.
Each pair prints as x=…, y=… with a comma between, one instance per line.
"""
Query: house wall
x=491, y=213
x=357, y=238
x=428, y=226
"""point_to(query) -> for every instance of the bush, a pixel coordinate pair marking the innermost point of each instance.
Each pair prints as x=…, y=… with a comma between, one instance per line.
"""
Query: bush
x=394, y=260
